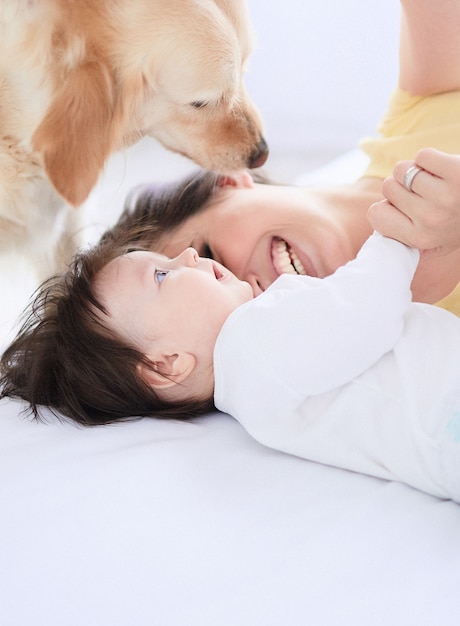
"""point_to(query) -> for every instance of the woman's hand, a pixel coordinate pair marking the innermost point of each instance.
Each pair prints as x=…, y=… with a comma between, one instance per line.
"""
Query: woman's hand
x=428, y=216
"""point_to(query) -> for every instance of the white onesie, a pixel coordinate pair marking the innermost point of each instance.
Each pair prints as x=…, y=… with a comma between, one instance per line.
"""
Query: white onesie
x=347, y=371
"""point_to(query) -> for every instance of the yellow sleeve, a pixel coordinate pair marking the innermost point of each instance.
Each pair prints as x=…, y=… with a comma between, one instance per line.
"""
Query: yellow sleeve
x=411, y=123
x=451, y=302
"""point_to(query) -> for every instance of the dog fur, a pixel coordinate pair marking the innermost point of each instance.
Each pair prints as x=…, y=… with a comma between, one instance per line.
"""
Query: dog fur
x=80, y=79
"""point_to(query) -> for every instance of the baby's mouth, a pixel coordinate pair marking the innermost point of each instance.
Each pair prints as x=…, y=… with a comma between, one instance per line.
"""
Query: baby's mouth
x=285, y=260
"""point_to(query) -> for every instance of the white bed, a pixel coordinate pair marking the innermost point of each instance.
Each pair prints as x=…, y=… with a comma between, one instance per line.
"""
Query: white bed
x=170, y=524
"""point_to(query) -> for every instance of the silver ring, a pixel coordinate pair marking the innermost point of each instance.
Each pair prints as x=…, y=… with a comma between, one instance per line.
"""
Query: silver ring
x=410, y=175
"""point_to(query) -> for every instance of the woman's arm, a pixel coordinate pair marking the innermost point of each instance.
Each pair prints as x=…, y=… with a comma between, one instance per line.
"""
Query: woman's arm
x=428, y=216
x=430, y=46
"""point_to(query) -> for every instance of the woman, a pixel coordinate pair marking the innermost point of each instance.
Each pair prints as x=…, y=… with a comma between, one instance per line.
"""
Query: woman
x=259, y=231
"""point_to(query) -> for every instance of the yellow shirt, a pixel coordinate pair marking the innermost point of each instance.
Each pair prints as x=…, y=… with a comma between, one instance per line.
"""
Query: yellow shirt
x=411, y=123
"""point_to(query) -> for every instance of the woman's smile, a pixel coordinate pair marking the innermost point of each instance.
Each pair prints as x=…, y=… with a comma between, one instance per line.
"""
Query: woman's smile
x=286, y=260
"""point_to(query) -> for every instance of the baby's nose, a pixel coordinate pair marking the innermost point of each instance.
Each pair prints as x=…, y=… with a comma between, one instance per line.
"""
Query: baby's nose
x=188, y=257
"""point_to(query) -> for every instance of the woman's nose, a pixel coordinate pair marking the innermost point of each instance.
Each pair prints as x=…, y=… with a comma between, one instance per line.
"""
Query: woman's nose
x=188, y=257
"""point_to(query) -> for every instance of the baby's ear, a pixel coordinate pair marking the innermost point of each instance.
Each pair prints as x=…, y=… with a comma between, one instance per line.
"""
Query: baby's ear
x=241, y=179
x=169, y=370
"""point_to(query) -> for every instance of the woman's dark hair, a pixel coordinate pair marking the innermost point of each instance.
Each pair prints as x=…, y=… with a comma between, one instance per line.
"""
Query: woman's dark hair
x=64, y=357
x=151, y=210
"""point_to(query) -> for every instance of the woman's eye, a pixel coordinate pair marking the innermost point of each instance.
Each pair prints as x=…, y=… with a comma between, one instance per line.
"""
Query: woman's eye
x=160, y=275
x=207, y=252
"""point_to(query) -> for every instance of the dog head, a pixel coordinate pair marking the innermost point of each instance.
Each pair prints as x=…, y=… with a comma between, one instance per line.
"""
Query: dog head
x=171, y=69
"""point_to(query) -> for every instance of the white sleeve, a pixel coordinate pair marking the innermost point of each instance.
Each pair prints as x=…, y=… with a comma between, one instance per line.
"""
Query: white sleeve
x=316, y=334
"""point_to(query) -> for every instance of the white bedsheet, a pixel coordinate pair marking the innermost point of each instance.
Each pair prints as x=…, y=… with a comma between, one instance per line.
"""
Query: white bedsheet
x=196, y=524
x=170, y=524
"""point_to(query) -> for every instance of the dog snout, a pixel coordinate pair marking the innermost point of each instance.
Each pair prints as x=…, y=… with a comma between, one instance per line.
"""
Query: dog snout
x=258, y=157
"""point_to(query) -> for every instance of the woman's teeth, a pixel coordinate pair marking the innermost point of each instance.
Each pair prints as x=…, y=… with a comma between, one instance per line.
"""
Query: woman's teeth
x=285, y=259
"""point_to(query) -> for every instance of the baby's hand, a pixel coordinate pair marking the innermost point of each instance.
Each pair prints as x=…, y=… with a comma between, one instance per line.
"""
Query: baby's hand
x=428, y=216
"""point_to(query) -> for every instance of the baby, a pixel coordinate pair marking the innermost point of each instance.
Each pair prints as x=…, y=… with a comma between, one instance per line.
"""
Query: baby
x=344, y=370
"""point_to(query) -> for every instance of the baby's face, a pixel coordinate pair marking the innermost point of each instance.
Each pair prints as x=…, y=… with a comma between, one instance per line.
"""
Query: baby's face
x=175, y=304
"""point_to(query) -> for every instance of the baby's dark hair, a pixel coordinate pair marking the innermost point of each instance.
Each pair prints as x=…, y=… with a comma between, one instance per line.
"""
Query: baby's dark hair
x=65, y=358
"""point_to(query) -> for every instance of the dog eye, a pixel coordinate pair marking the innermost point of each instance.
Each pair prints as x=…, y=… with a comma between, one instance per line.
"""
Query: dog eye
x=199, y=104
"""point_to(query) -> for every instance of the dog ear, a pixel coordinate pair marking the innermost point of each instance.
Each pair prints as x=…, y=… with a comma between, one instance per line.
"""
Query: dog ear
x=75, y=136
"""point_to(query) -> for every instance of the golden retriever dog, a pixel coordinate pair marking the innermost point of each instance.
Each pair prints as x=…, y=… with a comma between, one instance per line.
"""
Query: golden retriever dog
x=80, y=79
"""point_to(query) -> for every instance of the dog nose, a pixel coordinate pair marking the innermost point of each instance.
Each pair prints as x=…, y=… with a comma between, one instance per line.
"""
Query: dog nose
x=259, y=155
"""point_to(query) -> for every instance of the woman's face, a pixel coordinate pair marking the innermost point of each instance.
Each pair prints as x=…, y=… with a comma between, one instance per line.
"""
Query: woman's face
x=261, y=231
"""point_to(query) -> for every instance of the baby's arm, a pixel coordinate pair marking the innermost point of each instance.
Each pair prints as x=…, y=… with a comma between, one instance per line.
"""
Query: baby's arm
x=322, y=333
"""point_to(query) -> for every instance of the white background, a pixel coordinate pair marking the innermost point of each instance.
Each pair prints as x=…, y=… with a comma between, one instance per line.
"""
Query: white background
x=321, y=72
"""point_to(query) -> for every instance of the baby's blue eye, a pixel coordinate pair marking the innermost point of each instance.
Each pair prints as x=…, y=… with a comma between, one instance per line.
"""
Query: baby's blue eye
x=160, y=275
